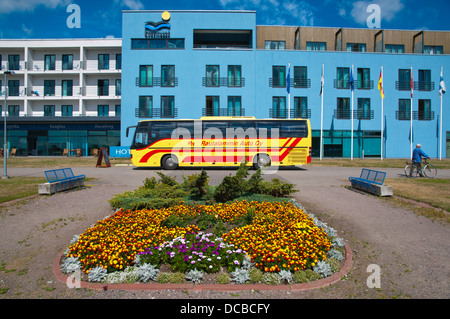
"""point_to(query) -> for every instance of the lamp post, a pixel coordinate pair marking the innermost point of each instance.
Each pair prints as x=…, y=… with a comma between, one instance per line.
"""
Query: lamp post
x=5, y=150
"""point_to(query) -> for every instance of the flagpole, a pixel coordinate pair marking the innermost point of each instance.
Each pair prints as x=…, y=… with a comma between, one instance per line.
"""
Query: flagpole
x=411, y=111
x=289, y=90
x=321, y=115
x=440, y=124
x=382, y=100
x=351, y=155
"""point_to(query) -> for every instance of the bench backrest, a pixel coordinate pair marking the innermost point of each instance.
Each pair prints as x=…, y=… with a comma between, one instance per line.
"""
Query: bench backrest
x=58, y=174
x=373, y=176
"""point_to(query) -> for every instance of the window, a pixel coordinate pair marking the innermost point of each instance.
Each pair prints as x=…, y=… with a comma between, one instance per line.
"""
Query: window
x=49, y=87
x=118, y=87
x=425, y=113
x=66, y=110
x=234, y=106
x=212, y=76
x=13, y=110
x=356, y=47
x=425, y=83
x=168, y=75
x=301, y=107
x=232, y=39
x=404, y=80
x=301, y=77
x=294, y=129
x=103, y=61
x=66, y=87
x=145, y=106
x=13, y=88
x=103, y=87
x=103, y=110
x=118, y=61
x=49, y=110
x=343, y=108
x=394, y=48
x=278, y=76
x=316, y=46
x=146, y=75
x=404, y=109
x=363, y=109
x=275, y=45
x=234, y=76
x=167, y=106
x=162, y=130
x=13, y=62
x=67, y=62
x=279, y=107
x=151, y=44
x=212, y=106
x=117, y=110
x=49, y=62
x=1, y=90
x=364, y=82
x=433, y=49
x=342, y=78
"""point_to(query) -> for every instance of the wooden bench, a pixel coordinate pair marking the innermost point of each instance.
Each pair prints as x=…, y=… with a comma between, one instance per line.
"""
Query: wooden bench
x=371, y=181
x=60, y=180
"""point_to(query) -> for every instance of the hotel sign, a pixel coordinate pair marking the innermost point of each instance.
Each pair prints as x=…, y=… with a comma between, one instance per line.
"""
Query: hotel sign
x=158, y=30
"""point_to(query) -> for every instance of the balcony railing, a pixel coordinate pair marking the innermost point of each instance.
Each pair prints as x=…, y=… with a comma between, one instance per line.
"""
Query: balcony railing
x=223, y=82
x=156, y=113
x=223, y=112
x=157, y=81
x=357, y=114
x=284, y=113
x=417, y=115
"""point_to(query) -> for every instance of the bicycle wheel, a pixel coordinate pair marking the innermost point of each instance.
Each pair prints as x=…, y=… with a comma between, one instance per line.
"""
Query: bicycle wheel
x=430, y=171
x=411, y=171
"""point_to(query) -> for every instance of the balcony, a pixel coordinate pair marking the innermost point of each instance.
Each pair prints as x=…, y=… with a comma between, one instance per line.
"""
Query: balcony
x=223, y=82
x=157, y=81
x=223, y=112
x=156, y=113
x=357, y=114
x=284, y=114
x=417, y=116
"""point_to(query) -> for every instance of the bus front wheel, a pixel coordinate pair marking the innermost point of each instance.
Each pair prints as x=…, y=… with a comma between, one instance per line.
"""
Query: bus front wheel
x=169, y=162
x=261, y=160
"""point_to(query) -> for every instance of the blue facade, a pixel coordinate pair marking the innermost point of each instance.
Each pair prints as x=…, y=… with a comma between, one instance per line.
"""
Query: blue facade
x=190, y=95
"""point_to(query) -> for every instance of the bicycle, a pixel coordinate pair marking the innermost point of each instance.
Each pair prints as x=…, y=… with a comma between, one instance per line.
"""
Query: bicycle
x=428, y=170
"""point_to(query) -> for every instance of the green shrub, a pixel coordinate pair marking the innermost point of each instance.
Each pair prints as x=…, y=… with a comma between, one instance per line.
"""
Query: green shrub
x=255, y=275
x=300, y=277
x=223, y=278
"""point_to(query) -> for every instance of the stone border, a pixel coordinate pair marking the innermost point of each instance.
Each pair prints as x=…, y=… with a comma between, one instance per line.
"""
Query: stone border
x=324, y=282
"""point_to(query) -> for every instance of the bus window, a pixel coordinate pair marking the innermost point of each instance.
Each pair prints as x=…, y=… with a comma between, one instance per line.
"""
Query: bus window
x=269, y=129
x=216, y=129
x=162, y=130
x=241, y=129
x=293, y=129
x=141, y=136
x=185, y=130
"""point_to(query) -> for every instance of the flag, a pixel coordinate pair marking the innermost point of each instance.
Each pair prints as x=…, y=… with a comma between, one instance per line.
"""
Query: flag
x=352, y=81
x=322, y=81
x=412, y=83
x=380, y=85
x=442, y=89
x=288, y=80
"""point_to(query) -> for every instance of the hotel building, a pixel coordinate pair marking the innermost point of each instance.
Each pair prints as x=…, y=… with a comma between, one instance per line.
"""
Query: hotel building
x=189, y=64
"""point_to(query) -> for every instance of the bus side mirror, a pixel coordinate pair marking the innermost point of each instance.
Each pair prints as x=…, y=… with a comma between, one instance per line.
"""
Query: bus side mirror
x=128, y=130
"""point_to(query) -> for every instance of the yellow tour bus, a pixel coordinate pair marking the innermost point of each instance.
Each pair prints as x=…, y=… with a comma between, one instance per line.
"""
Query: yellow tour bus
x=221, y=141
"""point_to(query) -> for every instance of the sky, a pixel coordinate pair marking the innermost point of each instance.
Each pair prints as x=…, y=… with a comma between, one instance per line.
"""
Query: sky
x=42, y=19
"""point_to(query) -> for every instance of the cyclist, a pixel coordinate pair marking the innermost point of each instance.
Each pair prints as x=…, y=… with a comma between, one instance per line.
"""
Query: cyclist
x=418, y=154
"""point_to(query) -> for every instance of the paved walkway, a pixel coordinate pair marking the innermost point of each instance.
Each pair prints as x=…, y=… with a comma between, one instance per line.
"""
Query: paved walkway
x=411, y=251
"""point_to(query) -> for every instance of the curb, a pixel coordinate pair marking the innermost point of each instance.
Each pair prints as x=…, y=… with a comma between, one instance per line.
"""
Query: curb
x=325, y=282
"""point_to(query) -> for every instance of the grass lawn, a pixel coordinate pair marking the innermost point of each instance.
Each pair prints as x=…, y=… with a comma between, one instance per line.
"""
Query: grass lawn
x=19, y=187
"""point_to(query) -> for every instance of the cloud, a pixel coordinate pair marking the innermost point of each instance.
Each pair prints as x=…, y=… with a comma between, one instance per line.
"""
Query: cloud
x=26, y=30
x=8, y=6
x=389, y=9
x=131, y=4
x=281, y=12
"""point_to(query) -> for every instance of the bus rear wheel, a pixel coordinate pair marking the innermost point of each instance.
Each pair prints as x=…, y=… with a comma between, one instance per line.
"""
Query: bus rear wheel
x=261, y=160
x=169, y=162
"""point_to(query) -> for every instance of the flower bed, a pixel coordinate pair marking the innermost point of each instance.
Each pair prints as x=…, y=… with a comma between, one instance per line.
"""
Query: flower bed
x=278, y=238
